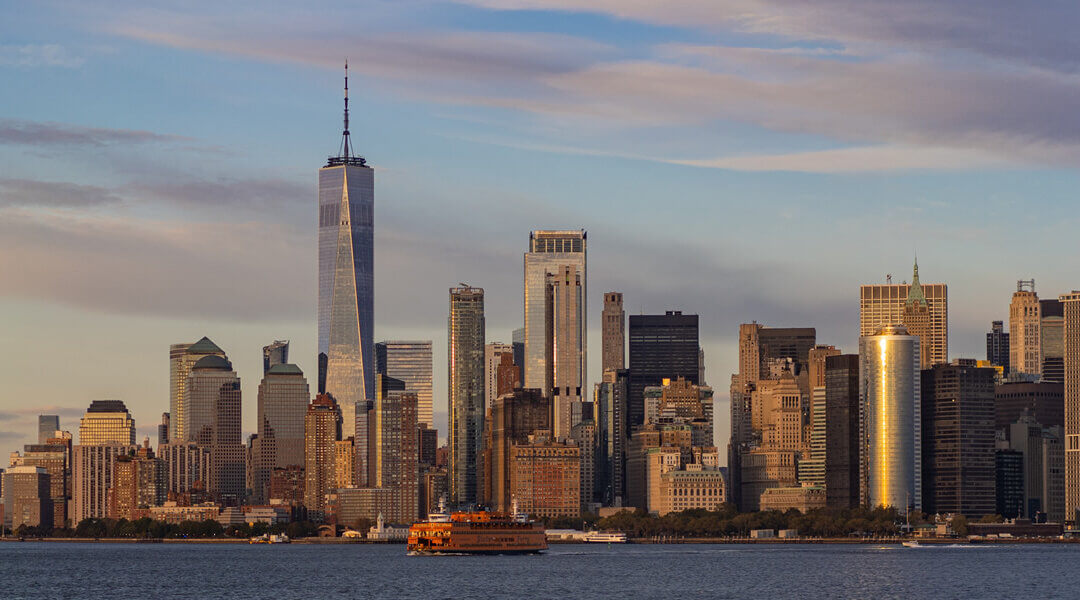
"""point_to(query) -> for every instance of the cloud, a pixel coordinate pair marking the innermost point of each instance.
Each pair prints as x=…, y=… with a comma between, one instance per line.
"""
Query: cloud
x=33, y=133
x=856, y=160
x=51, y=194
x=217, y=270
x=38, y=55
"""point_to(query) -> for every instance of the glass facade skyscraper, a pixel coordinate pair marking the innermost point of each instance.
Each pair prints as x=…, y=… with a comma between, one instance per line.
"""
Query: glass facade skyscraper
x=548, y=251
x=891, y=423
x=346, y=279
x=409, y=361
x=465, y=329
x=661, y=347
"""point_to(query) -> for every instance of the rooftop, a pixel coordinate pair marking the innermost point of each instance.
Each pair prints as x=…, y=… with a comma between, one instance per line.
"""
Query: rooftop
x=204, y=346
x=107, y=406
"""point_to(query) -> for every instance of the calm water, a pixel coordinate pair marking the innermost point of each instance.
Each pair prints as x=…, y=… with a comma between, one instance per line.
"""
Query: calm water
x=122, y=571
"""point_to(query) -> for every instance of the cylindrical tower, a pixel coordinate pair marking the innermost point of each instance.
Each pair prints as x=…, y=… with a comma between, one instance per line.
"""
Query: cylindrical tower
x=892, y=457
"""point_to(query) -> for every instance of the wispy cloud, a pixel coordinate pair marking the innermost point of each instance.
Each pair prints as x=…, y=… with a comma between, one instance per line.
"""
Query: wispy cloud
x=49, y=194
x=857, y=160
x=38, y=55
x=36, y=133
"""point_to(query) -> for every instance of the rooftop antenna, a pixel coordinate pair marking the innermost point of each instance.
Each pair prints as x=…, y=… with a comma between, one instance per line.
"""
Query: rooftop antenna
x=888, y=279
x=1025, y=283
x=346, y=142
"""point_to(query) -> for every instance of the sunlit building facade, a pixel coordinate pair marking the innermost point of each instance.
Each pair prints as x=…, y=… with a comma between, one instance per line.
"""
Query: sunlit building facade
x=181, y=358
x=409, y=361
x=282, y=404
x=106, y=422
x=465, y=332
x=548, y=251
x=212, y=415
x=891, y=398
x=885, y=305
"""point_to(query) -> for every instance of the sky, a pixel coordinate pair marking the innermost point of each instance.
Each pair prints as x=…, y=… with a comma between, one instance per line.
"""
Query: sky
x=743, y=160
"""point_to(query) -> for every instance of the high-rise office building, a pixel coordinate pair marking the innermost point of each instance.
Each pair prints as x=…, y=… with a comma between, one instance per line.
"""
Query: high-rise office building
x=92, y=470
x=27, y=499
x=187, y=467
x=545, y=477
x=812, y=468
x=48, y=425
x=891, y=404
x=1051, y=341
x=465, y=332
x=106, y=422
x=1071, y=336
x=661, y=347
x=1044, y=401
x=548, y=252
x=181, y=358
x=997, y=346
x=163, y=430
x=139, y=481
x=842, y=445
x=496, y=354
x=1043, y=471
x=282, y=405
x=885, y=305
x=212, y=415
x=613, y=333
x=958, y=440
x=322, y=429
x=565, y=346
x=1024, y=321
x=55, y=458
x=514, y=417
x=519, y=349
x=395, y=461
x=346, y=278
x=276, y=353
x=609, y=414
x=410, y=362
x=1009, y=483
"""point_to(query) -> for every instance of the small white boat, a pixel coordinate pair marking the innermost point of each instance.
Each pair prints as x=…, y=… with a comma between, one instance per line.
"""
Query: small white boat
x=604, y=537
x=911, y=544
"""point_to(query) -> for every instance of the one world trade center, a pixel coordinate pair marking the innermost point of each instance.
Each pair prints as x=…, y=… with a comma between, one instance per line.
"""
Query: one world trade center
x=346, y=278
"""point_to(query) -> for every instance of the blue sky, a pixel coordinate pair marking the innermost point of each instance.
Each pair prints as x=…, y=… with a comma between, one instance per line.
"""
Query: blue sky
x=745, y=160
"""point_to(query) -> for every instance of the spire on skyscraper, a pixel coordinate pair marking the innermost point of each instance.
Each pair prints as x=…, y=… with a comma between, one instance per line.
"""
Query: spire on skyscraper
x=915, y=292
x=346, y=156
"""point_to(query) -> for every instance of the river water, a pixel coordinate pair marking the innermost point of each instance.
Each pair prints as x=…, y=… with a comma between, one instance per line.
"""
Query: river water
x=577, y=572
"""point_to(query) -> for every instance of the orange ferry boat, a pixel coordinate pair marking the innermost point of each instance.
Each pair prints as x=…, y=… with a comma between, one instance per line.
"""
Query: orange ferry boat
x=477, y=532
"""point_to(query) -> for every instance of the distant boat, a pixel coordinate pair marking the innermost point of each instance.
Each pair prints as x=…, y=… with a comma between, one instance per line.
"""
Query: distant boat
x=604, y=537
x=912, y=544
x=476, y=532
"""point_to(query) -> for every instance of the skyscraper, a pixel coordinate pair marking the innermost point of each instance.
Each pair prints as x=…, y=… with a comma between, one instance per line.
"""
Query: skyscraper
x=92, y=472
x=885, y=305
x=1071, y=309
x=409, y=361
x=26, y=498
x=514, y=417
x=548, y=251
x=609, y=413
x=1024, y=320
x=891, y=402
x=958, y=440
x=1051, y=341
x=275, y=354
x=181, y=358
x=346, y=278
x=465, y=332
x=48, y=425
x=396, y=454
x=212, y=415
x=282, y=405
x=613, y=333
x=565, y=346
x=997, y=346
x=661, y=347
x=106, y=422
x=842, y=444
x=322, y=428
x=163, y=430
x=496, y=354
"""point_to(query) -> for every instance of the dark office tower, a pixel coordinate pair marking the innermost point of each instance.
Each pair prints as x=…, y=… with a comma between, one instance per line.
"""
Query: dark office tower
x=613, y=333
x=346, y=278
x=163, y=430
x=519, y=349
x=842, y=430
x=958, y=440
x=427, y=441
x=54, y=457
x=213, y=421
x=1008, y=483
x=275, y=354
x=1043, y=401
x=47, y=427
x=1052, y=341
x=514, y=417
x=997, y=346
x=609, y=414
x=26, y=498
x=465, y=332
x=661, y=347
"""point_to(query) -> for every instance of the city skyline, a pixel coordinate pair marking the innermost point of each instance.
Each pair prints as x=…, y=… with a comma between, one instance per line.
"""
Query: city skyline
x=933, y=212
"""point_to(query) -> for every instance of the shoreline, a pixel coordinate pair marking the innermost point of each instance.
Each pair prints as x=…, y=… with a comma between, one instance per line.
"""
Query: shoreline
x=643, y=541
